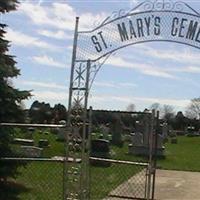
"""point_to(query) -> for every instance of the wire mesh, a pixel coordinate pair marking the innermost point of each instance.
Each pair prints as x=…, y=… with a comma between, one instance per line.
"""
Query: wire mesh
x=35, y=180
x=32, y=167
x=150, y=21
x=117, y=180
x=29, y=142
x=114, y=172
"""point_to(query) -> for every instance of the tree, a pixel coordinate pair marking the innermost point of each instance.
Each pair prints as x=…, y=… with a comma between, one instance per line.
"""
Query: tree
x=40, y=112
x=180, y=121
x=168, y=112
x=10, y=99
x=130, y=107
x=193, y=109
x=34, y=112
x=60, y=113
x=155, y=106
x=43, y=113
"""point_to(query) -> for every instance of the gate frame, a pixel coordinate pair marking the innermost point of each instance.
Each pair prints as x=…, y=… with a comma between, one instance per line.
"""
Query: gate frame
x=151, y=164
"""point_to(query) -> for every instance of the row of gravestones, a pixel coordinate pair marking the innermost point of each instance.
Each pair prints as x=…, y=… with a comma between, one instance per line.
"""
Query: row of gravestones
x=27, y=148
x=139, y=140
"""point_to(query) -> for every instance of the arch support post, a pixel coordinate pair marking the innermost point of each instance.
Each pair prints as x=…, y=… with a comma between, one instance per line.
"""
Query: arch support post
x=77, y=152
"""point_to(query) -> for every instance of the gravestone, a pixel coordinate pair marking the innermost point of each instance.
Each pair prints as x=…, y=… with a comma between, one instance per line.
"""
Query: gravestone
x=100, y=148
x=137, y=139
x=93, y=135
x=116, y=130
x=43, y=143
x=165, y=130
x=61, y=131
x=140, y=139
x=159, y=141
x=60, y=134
x=31, y=151
x=160, y=149
x=104, y=129
x=101, y=136
x=31, y=130
x=22, y=141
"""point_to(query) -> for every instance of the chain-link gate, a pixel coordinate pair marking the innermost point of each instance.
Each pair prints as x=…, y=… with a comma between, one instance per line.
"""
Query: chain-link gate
x=160, y=20
x=120, y=174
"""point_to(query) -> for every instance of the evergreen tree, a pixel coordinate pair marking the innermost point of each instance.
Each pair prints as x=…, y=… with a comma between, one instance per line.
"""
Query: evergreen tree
x=41, y=112
x=60, y=113
x=10, y=99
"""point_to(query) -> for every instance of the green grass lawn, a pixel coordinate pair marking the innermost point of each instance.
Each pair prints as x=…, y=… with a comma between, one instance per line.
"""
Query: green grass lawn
x=42, y=180
x=46, y=178
x=56, y=148
x=106, y=179
x=182, y=156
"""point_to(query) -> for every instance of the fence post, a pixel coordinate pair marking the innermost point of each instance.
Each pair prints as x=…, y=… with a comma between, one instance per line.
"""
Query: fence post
x=89, y=147
x=84, y=157
x=155, y=153
x=65, y=174
x=149, y=182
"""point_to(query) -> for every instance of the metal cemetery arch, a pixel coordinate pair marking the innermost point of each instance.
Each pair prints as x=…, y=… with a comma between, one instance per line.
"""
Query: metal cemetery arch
x=160, y=20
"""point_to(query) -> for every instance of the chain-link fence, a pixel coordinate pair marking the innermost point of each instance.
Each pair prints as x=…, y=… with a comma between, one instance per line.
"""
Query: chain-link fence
x=115, y=172
x=38, y=152
x=120, y=179
x=36, y=179
x=32, y=162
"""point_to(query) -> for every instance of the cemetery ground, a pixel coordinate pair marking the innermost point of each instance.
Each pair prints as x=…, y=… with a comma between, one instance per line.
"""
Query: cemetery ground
x=183, y=156
x=44, y=180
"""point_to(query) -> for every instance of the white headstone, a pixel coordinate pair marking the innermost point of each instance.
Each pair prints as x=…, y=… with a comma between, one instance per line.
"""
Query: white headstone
x=31, y=151
x=160, y=141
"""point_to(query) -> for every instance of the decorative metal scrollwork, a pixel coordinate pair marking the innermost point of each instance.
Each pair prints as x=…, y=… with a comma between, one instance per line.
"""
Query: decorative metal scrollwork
x=149, y=5
x=179, y=6
x=161, y=5
x=113, y=16
x=79, y=78
x=158, y=5
x=95, y=67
